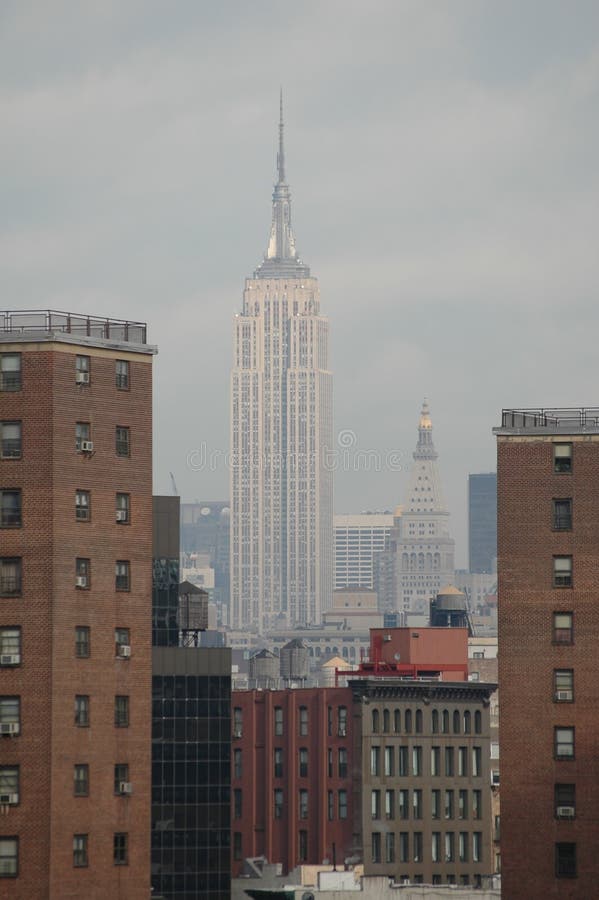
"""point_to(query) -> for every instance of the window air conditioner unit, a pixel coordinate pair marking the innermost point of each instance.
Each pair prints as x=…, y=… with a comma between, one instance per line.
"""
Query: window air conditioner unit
x=87, y=446
x=124, y=650
x=563, y=695
x=81, y=581
x=10, y=659
x=121, y=515
x=565, y=812
x=9, y=727
x=125, y=787
x=9, y=799
x=82, y=378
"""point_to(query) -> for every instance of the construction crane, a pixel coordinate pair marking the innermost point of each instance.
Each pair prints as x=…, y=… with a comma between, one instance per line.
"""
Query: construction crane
x=174, y=485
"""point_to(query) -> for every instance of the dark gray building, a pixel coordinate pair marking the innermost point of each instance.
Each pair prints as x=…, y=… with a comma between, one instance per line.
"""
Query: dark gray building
x=191, y=740
x=482, y=522
x=205, y=532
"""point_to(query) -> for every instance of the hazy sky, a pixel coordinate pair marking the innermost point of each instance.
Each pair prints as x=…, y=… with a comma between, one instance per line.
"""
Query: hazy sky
x=443, y=159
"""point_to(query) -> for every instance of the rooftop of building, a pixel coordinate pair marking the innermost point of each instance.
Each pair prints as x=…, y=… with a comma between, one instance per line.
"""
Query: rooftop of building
x=26, y=325
x=564, y=421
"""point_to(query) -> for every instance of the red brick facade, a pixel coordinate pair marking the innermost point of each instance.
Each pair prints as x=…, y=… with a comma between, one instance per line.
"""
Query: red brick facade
x=50, y=607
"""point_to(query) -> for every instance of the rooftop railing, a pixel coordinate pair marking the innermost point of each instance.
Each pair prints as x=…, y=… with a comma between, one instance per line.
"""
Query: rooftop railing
x=581, y=417
x=29, y=321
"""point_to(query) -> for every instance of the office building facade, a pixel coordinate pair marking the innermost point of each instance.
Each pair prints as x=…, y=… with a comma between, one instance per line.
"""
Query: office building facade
x=358, y=540
x=482, y=522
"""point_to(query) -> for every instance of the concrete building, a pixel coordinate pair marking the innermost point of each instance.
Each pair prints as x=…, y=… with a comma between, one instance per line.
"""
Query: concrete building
x=354, y=608
x=482, y=522
x=358, y=538
x=548, y=521
x=281, y=425
x=75, y=578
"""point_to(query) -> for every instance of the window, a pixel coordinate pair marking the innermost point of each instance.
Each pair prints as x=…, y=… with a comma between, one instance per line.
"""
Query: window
x=375, y=761
x=477, y=846
x=476, y=762
x=122, y=443
x=435, y=721
x=436, y=846
x=82, y=369
x=408, y=721
x=123, y=509
x=278, y=721
x=463, y=761
x=82, y=506
x=565, y=801
x=376, y=846
x=122, y=579
x=121, y=849
x=10, y=645
x=563, y=743
x=237, y=803
x=375, y=721
x=463, y=804
x=478, y=722
x=375, y=804
x=330, y=721
x=82, y=435
x=449, y=846
x=121, y=711
x=563, y=685
x=82, y=573
x=303, y=762
x=417, y=846
x=445, y=722
x=237, y=763
x=435, y=804
x=463, y=846
x=10, y=576
x=303, y=846
x=278, y=803
x=303, y=721
x=416, y=760
x=237, y=846
x=562, y=515
x=9, y=857
x=419, y=721
x=278, y=762
x=565, y=861
x=81, y=780
x=403, y=763
x=389, y=847
x=330, y=762
x=121, y=776
x=467, y=722
x=342, y=721
x=82, y=641
x=386, y=721
x=404, y=808
x=9, y=785
x=10, y=437
x=122, y=643
x=477, y=805
x=303, y=803
x=82, y=710
x=10, y=372
x=122, y=374
x=456, y=721
x=397, y=721
x=342, y=762
x=562, y=571
x=342, y=805
x=435, y=760
x=449, y=762
x=389, y=804
x=417, y=803
x=237, y=722
x=562, y=458
x=10, y=508
x=404, y=846
x=563, y=627
x=80, y=850
x=330, y=805
x=389, y=760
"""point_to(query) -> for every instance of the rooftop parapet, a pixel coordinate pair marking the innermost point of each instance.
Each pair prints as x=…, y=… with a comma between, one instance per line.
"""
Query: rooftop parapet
x=549, y=421
x=29, y=324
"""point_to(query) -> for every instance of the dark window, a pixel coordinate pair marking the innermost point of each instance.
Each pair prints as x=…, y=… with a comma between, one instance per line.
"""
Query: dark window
x=237, y=722
x=389, y=804
x=121, y=777
x=237, y=847
x=123, y=447
x=375, y=721
x=330, y=805
x=10, y=576
x=10, y=508
x=82, y=369
x=80, y=857
x=376, y=846
x=386, y=721
x=565, y=801
x=10, y=645
x=463, y=761
x=10, y=440
x=416, y=760
x=417, y=803
x=563, y=739
x=83, y=573
x=562, y=515
x=418, y=721
x=463, y=846
x=303, y=846
x=10, y=715
x=408, y=721
x=477, y=804
x=404, y=846
x=463, y=804
x=563, y=627
x=449, y=768
x=417, y=846
x=121, y=711
x=436, y=804
x=435, y=760
x=448, y=808
x=83, y=506
x=10, y=372
x=562, y=458
x=342, y=762
x=122, y=374
x=121, y=848
x=9, y=785
x=122, y=643
x=82, y=710
x=389, y=847
x=478, y=722
x=342, y=804
x=404, y=801
x=445, y=722
x=456, y=721
x=397, y=721
x=565, y=860
x=123, y=509
x=403, y=762
x=9, y=857
x=237, y=763
x=562, y=571
x=435, y=721
x=467, y=722
x=563, y=685
x=303, y=803
x=375, y=760
x=303, y=762
x=330, y=721
x=81, y=780
x=375, y=798
x=342, y=721
x=303, y=721
x=82, y=437
x=122, y=575
x=237, y=803
x=278, y=762
x=476, y=762
x=82, y=641
x=278, y=803
x=278, y=721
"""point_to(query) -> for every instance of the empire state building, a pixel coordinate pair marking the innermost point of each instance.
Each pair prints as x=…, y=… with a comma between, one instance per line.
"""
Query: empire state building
x=281, y=426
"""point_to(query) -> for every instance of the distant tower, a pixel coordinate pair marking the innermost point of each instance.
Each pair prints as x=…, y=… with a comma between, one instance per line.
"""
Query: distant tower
x=424, y=548
x=281, y=424
x=482, y=522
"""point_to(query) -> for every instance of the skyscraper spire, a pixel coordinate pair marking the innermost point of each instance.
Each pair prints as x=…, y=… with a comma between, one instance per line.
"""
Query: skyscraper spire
x=281, y=153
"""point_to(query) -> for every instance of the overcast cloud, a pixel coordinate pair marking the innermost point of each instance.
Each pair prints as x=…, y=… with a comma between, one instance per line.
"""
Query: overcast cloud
x=443, y=163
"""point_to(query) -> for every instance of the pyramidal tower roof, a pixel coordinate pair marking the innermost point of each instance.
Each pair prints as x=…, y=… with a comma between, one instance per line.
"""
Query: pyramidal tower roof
x=425, y=494
x=281, y=259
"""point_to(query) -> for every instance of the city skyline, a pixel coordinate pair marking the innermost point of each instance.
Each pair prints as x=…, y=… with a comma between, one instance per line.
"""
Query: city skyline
x=447, y=194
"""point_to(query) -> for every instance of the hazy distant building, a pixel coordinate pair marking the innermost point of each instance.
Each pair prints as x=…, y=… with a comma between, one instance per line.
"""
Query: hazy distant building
x=482, y=522
x=205, y=548
x=357, y=539
x=281, y=424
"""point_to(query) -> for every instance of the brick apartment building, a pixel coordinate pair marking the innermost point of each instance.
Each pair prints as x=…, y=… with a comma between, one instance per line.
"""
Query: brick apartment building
x=548, y=566
x=75, y=629
x=381, y=771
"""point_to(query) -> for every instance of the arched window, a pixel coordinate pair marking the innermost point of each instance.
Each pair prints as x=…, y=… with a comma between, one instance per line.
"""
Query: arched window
x=397, y=721
x=437, y=561
x=435, y=721
x=445, y=722
x=418, y=722
x=478, y=722
x=408, y=721
x=375, y=721
x=386, y=721
x=345, y=652
x=421, y=562
x=429, y=562
x=412, y=562
x=456, y=721
x=467, y=722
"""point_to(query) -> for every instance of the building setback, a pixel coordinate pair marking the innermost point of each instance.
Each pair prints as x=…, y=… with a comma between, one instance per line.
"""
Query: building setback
x=548, y=522
x=75, y=578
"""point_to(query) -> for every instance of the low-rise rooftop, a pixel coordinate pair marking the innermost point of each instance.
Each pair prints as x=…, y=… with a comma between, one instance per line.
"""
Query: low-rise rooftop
x=583, y=419
x=35, y=324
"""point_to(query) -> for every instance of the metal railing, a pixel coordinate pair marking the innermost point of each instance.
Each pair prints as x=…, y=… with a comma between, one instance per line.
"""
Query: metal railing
x=25, y=321
x=581, y=417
